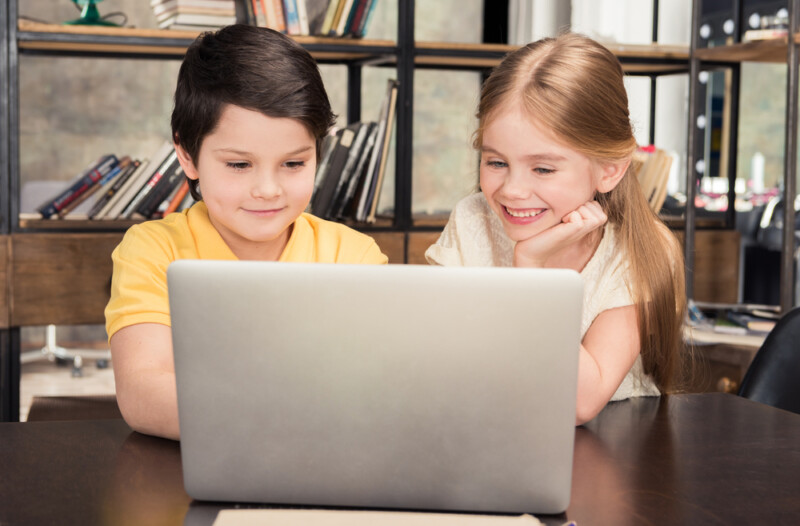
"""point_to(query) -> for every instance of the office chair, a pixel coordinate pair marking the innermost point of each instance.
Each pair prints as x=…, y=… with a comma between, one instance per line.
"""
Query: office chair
x=54, y=352
x=772, y=378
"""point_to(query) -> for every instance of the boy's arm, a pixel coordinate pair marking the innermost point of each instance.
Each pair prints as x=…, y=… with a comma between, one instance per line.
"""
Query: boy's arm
x=144, y=373
x=608, y=351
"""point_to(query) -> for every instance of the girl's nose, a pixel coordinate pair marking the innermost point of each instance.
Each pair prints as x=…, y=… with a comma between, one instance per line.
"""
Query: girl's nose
x=516, y=185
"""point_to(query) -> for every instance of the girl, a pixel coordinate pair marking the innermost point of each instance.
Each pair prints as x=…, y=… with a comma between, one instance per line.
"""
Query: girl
x=558, y=191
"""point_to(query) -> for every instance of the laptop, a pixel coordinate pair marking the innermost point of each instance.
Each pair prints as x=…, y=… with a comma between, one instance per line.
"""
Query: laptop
x=386, y=386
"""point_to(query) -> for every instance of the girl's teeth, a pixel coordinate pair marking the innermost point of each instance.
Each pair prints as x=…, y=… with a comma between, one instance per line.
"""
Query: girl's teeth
x=529, y=213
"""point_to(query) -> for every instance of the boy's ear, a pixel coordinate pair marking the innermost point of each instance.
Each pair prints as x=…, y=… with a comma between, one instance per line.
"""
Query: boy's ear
x=611, y=174
x=186, y=162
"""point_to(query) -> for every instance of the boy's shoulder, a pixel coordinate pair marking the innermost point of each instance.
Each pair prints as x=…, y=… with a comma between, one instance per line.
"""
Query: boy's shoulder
x=333, y=242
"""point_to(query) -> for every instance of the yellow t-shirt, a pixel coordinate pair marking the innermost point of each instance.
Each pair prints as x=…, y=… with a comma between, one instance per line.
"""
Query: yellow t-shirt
x=139, y=282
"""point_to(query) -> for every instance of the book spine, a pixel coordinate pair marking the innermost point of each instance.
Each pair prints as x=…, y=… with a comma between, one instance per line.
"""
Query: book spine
x=280, y=16
x=364, y=23
x=177, y=199
x=80, y=186
x=328, y=20
x=115, y=186
x=151, y=183
x=302, y=16
x=166, y=186
x=292, y=20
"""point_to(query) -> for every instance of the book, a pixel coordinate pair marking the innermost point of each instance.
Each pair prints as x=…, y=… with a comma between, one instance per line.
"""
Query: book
x=124, y=194
x=340, y=21
x=167, y=183
x=753, y=35
x=353, y=155
x=375, y=189
x=752, y=322
x=260, y=12
x=138, y=180
x=321, y=203
x=156, y=176
x=291, y=17
x=302, y=16
x=359, y=171
x=191, y=3
x=78, y=186
x=337, y=15
x=113, y=188
x=356, y=14
x=368, y=189
x=177, y=199
x=363, y=21
x=327, y=22
x=328, y=145
x=189, y=19
x=80, y=208
x=165, y=10
x=315, y=11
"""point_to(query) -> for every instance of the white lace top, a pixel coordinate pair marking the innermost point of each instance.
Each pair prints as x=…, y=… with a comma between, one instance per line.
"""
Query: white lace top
x=474, y=236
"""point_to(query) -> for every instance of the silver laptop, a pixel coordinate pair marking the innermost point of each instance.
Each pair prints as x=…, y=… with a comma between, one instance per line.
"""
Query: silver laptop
x=399, y=386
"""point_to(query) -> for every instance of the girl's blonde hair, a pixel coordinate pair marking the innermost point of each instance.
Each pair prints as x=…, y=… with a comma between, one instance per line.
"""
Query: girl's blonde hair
x=574, y=86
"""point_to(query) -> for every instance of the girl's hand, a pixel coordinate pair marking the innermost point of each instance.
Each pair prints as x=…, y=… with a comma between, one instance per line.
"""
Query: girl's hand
x=534, y=251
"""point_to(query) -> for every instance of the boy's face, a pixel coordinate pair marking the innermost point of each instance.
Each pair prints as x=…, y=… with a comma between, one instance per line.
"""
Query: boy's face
x=256, y=176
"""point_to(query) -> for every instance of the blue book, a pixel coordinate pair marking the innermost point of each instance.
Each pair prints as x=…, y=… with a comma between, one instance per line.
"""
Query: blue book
x=292, y=18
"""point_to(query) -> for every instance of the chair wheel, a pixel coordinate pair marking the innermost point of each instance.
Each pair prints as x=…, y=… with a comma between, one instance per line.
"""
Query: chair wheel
x=102, y=364
x=63, y=361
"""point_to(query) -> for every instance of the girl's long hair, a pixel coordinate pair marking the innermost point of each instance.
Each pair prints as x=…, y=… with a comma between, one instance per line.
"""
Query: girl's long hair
x=574, y=86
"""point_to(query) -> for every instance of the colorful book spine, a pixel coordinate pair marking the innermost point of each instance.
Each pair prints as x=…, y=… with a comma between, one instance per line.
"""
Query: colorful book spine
x=151, y=183
x=88, y=178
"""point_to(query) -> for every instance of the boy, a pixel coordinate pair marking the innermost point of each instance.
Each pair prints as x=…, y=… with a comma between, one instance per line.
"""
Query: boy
x=250, y=114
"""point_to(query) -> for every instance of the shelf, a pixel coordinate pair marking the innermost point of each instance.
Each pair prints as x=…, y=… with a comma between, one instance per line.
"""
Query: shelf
x=635, y=58
x=774, y=50
x=76, y=225
x=56, y=39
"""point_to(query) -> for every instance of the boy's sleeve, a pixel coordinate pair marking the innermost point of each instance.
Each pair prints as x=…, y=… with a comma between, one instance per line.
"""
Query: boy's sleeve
x=139, y=281
x=373, y=255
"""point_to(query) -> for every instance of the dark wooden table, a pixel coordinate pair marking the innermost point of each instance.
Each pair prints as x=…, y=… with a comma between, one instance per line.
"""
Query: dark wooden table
x=706, y=459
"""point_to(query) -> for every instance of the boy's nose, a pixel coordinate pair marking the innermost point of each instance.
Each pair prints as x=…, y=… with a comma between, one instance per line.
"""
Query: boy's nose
x=266, y=186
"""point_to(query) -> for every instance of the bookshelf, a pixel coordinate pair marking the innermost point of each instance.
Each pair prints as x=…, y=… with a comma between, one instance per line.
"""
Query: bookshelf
x=729, y=56
x=59, y=271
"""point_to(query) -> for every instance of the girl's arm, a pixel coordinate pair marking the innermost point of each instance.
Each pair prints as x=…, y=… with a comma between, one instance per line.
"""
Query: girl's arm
x=144, y=373
x=608, y=351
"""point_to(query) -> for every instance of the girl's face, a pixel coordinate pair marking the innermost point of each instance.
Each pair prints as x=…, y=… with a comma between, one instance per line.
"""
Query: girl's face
x=256, y=176
x=530, y=180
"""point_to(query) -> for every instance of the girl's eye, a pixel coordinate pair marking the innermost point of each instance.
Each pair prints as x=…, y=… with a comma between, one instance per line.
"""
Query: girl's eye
x=543, y=171
x=238, y=165
x=496, y=164
x=294, y=165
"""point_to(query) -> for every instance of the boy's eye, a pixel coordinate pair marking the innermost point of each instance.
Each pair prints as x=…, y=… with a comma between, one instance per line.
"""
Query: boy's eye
x=543, y=171
x=294, y=164
x=496, y=164
x=238, y=165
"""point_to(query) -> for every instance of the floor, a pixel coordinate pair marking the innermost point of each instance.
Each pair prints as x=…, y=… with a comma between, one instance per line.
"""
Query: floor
x=46, y=378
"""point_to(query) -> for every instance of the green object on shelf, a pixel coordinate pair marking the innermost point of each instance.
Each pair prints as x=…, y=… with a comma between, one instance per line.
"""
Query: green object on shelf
x=90, y=16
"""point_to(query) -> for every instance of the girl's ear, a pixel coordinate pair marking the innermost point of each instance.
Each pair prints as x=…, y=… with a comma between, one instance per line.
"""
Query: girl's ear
x=611, y=174
x=186, y=162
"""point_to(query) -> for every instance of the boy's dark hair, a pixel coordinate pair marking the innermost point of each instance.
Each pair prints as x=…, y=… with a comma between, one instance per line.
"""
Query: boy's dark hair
x=252, y=67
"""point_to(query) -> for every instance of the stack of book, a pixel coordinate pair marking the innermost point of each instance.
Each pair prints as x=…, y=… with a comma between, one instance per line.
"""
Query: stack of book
x=194, y=15
x=114, y=187
x=337, y=18
x=352, y=166
x=653, y=174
